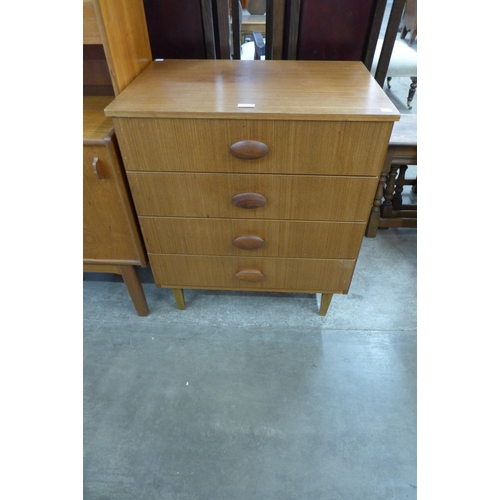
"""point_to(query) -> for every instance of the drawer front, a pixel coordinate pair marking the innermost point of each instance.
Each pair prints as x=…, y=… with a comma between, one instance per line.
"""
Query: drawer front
x=255, y=273
x=295, y=197
x=251, y=237
x=294, y=147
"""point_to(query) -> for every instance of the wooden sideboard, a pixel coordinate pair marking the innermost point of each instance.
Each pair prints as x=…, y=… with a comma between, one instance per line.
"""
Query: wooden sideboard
x=115, y=51
x=251, y=175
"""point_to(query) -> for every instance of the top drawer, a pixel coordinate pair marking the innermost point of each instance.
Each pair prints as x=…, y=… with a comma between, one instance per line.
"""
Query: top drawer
x=293, y=147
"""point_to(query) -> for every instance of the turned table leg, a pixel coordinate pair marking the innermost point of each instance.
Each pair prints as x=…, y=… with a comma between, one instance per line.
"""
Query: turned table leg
x=386, y=209
x=326, y=298
x=179, y=298
x=134, y=287
x=411, y=93
x=397, y=201
x=373, y=221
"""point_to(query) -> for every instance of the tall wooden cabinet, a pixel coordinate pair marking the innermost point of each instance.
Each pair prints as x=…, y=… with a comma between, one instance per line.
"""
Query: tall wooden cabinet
x=115, y=50
x=252, y=175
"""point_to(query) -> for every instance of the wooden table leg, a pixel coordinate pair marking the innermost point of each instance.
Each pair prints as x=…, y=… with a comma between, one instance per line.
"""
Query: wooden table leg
x=179, y=298
x=134, y=287
x=326, y=298
x=411, y=93
x=397, y=201
x=386, y=209
x=373, y=221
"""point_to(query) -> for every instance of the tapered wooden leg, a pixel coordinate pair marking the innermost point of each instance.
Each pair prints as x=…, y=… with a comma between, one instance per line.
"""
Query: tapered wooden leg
x=179, y=298
x=326, y=298
x=134, y=287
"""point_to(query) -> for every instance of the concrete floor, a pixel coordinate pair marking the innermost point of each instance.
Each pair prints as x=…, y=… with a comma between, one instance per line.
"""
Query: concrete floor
x=254, y=395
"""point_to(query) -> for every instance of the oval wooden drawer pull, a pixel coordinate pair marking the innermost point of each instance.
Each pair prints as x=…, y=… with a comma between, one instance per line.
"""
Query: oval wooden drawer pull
x=249, y=200
x=249, y=150
x=248, y=242
x=250, y=275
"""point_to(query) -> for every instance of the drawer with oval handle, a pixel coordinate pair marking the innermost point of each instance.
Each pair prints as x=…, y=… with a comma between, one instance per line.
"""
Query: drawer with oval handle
x=263, y=273
x=292, y=197
x=286, y=147
x=264, y=238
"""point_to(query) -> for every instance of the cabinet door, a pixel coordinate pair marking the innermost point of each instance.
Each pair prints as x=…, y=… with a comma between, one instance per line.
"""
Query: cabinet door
x=109, y=233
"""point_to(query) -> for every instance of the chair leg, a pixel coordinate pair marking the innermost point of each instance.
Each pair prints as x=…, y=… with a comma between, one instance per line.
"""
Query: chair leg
x=411, y=93
x=389, y=78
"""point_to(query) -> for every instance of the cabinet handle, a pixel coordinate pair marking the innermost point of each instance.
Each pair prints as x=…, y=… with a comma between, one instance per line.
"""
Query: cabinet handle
x=249, y=200
x=249, y=242
x=97, y=169
x=249, y=150
x=250, y=275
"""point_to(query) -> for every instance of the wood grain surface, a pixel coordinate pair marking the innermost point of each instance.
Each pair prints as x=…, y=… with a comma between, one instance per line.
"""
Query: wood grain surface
x=91, y=33
x=316, y=90
x=293, y=239
x=109, y=232
x=125, y=39
x=295, y=147
x=96, y=126
x=301, y=275
x=293, y=197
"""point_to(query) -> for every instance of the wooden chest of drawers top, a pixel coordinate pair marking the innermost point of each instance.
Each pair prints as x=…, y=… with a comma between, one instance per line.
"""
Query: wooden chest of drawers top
x=300, y=90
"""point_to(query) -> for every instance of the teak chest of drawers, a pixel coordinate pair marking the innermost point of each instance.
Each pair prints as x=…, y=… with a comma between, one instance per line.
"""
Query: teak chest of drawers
x=253, y=175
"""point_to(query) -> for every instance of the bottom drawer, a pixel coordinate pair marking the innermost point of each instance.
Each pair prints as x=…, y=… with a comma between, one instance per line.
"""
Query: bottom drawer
x=272, y=274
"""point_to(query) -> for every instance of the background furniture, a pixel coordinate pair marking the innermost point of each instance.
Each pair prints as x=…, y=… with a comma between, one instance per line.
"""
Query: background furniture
x=293, y=29
x=344, y=30
x=115, y=50
x=241, y=186
x=403, y=63
x=252, y=24
x=254, y=49
x=388, y=209
x=256, y=7
x=409, y=22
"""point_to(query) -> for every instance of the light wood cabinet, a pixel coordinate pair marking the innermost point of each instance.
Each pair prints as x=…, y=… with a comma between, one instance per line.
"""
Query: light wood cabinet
x=115, y=51
x=252, y=175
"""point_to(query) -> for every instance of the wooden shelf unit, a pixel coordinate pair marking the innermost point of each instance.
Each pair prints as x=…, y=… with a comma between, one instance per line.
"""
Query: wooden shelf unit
x=115, y=50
